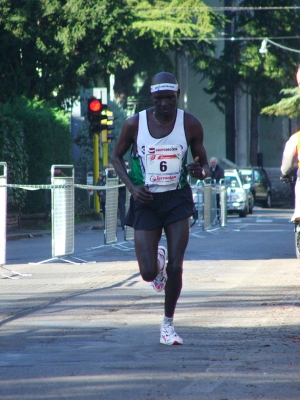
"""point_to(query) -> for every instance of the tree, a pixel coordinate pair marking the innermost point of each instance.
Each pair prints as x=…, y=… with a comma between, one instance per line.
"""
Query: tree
x=261, y=76
x=288, y=106
x=160, y=27
x=51, y=48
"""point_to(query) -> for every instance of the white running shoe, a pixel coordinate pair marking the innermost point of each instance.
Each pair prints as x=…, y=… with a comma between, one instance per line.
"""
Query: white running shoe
x=160, y=281
x=168, y=335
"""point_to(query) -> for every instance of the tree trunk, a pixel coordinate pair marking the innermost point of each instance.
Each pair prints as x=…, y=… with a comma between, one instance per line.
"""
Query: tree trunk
x=254, y=130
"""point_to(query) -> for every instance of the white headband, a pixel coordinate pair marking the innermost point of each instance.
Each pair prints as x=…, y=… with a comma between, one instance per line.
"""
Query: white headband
x=164, y=86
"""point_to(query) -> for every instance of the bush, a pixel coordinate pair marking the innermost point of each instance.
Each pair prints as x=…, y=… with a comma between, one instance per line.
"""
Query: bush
x=47, y=140
x=13, y=152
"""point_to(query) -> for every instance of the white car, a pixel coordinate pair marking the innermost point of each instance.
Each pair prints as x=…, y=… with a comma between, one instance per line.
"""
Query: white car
x=237, y=193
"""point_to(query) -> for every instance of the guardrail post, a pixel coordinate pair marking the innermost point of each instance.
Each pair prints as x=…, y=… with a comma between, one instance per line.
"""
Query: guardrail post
x=223, y=206
x=111, y=207
x=3, y=211
x=62, y=212
x=207, y=204
x=128, y=230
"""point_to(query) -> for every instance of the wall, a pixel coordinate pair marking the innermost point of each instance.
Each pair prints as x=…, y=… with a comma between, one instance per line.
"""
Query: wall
x=273, y=134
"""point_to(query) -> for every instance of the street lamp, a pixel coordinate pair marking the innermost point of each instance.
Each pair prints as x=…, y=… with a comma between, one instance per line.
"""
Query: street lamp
x=263, y=48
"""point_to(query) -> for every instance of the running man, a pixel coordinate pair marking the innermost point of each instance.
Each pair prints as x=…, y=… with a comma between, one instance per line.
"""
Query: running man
x=161, y=197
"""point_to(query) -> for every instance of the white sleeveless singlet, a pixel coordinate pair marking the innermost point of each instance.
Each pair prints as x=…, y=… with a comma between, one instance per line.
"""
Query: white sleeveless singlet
x=163, y=160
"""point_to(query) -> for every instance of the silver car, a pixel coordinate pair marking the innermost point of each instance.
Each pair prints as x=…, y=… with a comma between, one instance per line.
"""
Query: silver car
x=237, y=193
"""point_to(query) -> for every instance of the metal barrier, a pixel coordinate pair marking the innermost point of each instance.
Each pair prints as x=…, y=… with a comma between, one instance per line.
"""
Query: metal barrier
x=220, y=204
x=198, y=201
x=111, y=207
x=214, y=205
x=207, y=205
x=223, y=205
x=210, y=211
x=63, y=208
x=3, y=203
x=128, y=230
x=62, y=212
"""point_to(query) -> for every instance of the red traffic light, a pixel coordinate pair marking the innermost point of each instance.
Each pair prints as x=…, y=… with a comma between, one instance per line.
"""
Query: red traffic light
x=95, y=105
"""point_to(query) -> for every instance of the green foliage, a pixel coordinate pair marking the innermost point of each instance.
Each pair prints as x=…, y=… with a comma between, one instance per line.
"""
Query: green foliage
x=120, y=117
x=53, y=47
x=160, y=27
x=241, y=67
x=13, y=152
x=85, y=144
x=286, y=107
x=47, y=139
x=166, y=22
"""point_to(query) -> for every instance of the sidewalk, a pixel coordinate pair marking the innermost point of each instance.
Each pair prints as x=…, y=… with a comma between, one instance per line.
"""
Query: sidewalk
x=16, y=234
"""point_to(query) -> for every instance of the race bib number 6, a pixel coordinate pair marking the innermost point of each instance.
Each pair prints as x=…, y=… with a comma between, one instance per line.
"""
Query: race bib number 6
x=163, y=164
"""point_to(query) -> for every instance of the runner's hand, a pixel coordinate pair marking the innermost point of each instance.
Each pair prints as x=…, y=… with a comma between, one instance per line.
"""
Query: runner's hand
x=195, y=170
x=141, y=194
x=285, y=178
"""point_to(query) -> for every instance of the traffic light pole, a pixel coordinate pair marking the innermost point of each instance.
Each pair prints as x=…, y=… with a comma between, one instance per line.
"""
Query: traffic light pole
x=96, y=171
x=105, y=152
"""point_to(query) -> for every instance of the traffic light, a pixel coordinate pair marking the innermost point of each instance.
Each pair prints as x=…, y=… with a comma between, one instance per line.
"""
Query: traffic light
x=107, y=135
x=95, y=116
x=110, y=125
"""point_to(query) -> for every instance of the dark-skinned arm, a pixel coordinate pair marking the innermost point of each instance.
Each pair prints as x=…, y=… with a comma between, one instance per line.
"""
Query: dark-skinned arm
x=126, y=139
x=199, y=168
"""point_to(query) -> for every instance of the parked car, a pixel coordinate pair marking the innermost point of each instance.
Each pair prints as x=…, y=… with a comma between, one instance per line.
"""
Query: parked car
x=247, y=187
x=238, y=193
x=260, y=185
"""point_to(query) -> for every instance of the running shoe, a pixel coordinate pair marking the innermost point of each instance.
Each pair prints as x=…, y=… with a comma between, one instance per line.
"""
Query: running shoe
x=160, y=281
x=168, y=335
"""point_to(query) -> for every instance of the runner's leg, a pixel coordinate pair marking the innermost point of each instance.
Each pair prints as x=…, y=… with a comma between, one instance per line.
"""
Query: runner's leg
x=146, y=245
x=177, y=234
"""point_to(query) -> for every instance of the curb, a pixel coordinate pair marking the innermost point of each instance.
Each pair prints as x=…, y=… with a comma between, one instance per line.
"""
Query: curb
x=16, y=235
x=26, y=235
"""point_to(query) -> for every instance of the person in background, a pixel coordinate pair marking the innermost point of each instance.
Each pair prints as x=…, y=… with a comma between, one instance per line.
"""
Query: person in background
x=102, y=193
x=216, y=172
x=161, y=198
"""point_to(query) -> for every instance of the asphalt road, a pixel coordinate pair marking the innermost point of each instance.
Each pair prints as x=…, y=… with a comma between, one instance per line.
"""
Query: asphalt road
x=265, y=234
x=91, y=330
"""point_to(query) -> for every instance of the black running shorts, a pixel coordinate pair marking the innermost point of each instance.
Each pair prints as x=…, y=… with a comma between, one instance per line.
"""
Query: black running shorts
x=165, y=208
